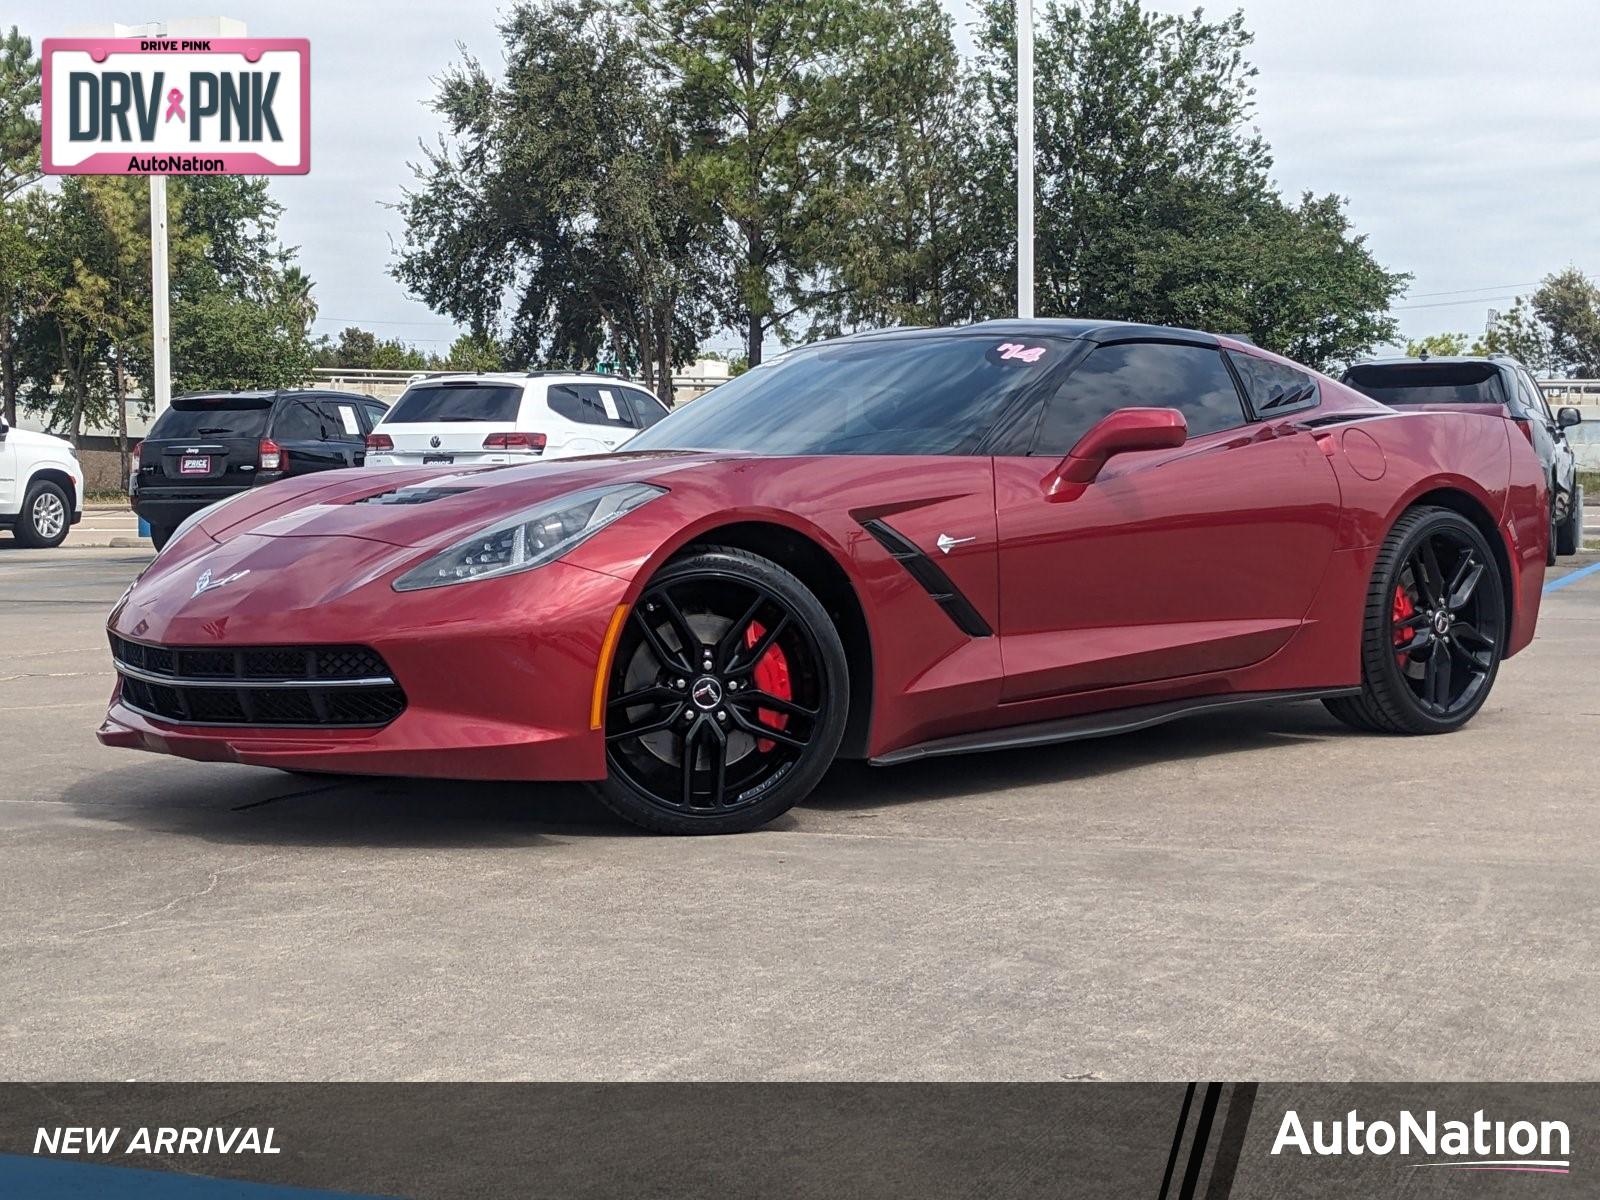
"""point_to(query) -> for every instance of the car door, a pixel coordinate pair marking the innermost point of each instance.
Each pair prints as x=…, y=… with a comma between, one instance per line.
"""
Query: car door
x=599, y=418
x=342, y=424
x=1549, y=439
x=647, y=410
x=1175, y=562
x=10, y=501
x=302, y=430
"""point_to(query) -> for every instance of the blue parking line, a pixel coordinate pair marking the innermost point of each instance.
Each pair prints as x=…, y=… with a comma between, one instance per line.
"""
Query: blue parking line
x=1556, y=584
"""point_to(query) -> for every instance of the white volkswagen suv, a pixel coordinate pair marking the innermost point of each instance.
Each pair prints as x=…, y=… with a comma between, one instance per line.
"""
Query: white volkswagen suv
x=508, y=417
x=41, y=486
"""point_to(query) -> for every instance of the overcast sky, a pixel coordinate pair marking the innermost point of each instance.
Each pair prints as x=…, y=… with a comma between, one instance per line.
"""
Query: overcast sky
x=1465, y=134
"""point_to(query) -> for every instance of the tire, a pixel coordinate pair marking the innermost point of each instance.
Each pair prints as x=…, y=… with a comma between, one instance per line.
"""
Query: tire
x=1569, y=534
x=1428, y=667
x=160, y=535
x=757, y=727
x=45, y=518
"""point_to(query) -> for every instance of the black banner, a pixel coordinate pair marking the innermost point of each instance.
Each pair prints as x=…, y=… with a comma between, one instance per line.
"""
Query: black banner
x=1203, y=1141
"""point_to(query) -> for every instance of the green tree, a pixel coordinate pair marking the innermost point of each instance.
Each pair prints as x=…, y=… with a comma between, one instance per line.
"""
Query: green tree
x=1437, y=345
x=239, y=319
x=470, y=352
x=556, y=209
x=1154, y=198
x=897, y=236
x=1518, y=332
x=764, y=89
x=19, y=113
x=19, y=167
x=356, y=349
x=222, y=340
x=1567, y=304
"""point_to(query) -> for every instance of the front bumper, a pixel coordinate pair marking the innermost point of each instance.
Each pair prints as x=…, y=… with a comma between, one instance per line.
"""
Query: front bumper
x=499, y=675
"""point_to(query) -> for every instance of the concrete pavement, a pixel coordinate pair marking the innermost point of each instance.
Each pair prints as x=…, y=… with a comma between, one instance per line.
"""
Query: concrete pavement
x=1259, y=894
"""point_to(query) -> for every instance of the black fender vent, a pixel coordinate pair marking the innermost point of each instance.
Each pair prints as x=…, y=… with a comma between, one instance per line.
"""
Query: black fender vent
x=933, y=580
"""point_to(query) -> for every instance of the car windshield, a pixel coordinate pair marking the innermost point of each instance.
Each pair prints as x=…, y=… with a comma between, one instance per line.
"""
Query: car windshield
x=1429, y=383
x=426, y=402
x=212, y=420
x=905, y=395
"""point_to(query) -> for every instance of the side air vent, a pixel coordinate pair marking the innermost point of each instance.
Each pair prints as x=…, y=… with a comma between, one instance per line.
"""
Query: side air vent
x=1345, y=418
x=934, y=581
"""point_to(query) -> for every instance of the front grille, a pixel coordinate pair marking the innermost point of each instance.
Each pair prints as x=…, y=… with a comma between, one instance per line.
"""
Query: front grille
x=316, y=686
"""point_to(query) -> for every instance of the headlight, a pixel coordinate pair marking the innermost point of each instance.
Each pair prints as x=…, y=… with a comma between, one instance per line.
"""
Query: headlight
x=531, y=538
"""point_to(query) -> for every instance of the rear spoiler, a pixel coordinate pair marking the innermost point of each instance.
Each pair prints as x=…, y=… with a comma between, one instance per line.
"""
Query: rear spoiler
x=225, y=400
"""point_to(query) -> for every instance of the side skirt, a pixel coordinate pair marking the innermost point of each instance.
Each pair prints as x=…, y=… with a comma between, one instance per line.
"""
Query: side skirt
x=1093, y=725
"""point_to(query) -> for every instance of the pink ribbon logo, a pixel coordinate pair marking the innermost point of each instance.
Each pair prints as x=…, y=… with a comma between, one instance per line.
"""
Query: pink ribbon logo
x=175, y=105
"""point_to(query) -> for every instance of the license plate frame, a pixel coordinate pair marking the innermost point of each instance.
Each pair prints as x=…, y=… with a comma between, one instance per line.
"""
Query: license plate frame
x=429, y=460
x=194, y=464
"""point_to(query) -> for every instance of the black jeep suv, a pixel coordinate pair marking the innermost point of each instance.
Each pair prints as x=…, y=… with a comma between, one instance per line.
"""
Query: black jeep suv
x=211, y=445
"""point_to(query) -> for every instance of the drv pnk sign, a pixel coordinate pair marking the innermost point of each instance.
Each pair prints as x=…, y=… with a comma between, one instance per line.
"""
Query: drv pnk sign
x=177, y=106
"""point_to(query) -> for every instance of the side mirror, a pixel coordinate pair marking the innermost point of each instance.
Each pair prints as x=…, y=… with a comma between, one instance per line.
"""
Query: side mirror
x=1567, y=417
x=1123, y=432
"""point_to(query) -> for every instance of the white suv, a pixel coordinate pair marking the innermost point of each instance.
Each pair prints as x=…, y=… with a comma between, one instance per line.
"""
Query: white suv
x=41, y=486
x=509, y=417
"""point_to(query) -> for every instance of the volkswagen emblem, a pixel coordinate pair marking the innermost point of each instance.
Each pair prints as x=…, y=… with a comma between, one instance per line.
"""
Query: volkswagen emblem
x=706, y=693
x=434, y=441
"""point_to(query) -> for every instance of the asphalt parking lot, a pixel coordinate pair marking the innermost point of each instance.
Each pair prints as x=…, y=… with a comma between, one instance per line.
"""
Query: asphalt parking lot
x=1260, y=894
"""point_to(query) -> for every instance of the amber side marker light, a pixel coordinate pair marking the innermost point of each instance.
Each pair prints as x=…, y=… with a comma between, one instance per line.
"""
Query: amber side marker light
x=608, y=647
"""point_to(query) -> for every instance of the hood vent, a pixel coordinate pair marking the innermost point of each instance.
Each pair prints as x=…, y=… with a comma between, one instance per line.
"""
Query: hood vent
x=413, y=495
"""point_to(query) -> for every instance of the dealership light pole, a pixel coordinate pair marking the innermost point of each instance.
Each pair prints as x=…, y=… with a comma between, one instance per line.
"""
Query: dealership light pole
x=1025, y=158
x=161, y=331
x=160, y=384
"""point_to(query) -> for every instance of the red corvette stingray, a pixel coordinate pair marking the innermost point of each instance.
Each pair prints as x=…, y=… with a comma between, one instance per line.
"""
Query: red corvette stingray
x=889, y=546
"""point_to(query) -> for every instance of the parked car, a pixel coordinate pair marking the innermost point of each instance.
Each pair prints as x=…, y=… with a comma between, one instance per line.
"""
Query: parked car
x=510, y=417
x=41, y=486
x=211, y=445
x=890, y=546
x=1500, y=381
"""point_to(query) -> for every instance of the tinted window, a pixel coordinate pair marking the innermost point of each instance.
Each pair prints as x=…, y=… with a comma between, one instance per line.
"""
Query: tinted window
x=1429, y=383
x=647, y=410
x=589, y=405
x=1191, y=379
x=428, y=402
x=212, y=422
x=299, y=420
x=1273, y=388
x=935, y=394
x=1533, y=397
x=375, y=411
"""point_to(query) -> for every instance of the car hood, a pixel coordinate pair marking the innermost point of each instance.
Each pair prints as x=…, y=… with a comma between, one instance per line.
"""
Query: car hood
x=439, y=506
x=39, y=441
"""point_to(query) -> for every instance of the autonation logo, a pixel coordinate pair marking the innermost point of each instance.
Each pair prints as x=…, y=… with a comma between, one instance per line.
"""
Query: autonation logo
x=1476, y=1145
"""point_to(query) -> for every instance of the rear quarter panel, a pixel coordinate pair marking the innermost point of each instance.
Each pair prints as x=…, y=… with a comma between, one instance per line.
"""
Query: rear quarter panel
x=1388, y=462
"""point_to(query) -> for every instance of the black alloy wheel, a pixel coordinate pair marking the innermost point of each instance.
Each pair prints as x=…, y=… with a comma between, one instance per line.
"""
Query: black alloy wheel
x=727, y=696
x=1435, y=628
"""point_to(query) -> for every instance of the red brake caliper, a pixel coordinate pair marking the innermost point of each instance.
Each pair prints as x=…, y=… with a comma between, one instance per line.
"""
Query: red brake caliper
x=1403, y=608
x=772, y=677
